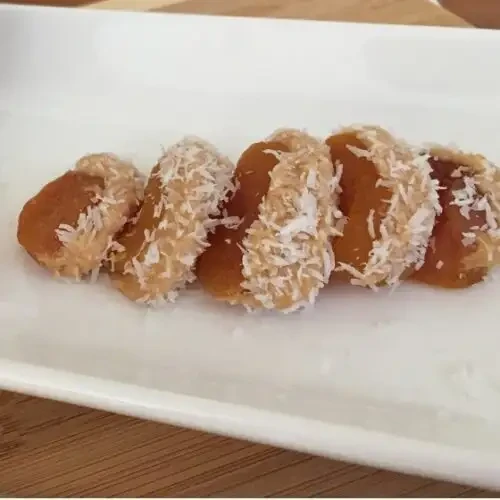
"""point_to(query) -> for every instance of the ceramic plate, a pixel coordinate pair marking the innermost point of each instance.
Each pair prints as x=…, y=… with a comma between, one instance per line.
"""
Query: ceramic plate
x=408, y=381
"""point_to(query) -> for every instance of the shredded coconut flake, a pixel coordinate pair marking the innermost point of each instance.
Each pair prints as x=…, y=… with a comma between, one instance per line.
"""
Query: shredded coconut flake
x=231, y=222
x=371, y=227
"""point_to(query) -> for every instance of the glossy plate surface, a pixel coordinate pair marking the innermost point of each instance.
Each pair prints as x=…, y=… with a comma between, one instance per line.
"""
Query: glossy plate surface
x=408, y=381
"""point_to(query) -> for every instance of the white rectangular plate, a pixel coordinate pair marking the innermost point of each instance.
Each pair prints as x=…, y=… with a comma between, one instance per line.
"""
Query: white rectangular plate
x=408, y=381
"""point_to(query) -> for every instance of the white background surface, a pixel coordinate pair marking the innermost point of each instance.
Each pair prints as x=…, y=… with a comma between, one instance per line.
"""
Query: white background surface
x=409, y=381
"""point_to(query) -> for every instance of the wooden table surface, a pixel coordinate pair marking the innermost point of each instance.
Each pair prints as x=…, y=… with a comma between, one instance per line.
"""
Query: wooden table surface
x=54, y=449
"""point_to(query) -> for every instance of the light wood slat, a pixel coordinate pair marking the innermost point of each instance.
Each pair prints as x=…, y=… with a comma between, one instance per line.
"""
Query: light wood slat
x=375, y=11
x=49, y=448
x=134, y=5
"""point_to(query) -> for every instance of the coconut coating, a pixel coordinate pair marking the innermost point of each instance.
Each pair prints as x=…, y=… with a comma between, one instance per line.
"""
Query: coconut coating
x=220, y=267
